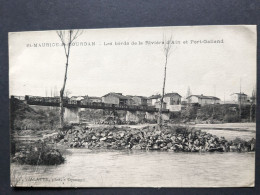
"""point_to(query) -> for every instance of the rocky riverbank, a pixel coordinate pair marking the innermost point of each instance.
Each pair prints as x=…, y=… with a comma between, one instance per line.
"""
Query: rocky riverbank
x=36, y=153
x=177, y=138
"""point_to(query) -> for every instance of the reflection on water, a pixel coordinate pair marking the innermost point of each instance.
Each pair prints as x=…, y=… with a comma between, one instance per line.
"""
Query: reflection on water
x=84, y=167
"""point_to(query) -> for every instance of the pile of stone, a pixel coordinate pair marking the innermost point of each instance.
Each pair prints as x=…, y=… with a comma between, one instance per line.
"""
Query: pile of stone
x=170, y=138
x=115, y=122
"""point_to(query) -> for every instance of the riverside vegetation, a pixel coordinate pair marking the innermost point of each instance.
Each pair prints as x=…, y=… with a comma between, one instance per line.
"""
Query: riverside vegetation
x=170, y=138
x=38, y=153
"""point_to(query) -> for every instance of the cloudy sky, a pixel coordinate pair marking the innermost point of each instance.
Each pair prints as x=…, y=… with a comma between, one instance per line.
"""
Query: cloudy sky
x=136, y=69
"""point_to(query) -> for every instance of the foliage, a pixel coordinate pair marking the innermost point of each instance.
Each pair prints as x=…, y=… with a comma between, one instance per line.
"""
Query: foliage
x=189, y=113
x=25, y=117
x=231, y=118
x=39, y=153
x=219, y=112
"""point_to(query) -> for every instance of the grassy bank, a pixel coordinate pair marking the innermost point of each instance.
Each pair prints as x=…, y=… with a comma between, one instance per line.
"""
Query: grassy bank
x=25, y=117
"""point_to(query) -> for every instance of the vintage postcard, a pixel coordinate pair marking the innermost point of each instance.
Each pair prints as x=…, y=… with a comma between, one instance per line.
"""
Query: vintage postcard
x=133, y=107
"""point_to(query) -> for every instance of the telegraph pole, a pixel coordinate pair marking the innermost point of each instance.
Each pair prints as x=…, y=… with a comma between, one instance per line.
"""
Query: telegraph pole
x=224, y=96
x=240, y=101
x=213, y=113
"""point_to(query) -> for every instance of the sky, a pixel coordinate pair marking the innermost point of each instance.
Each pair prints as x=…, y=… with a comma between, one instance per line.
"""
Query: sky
x=135, y=66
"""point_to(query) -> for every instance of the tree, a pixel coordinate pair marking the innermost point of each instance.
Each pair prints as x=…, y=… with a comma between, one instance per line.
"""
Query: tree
x=188, y=94
x=67, y=93
x=253, y=102
x=167, y=43
x=67, y=37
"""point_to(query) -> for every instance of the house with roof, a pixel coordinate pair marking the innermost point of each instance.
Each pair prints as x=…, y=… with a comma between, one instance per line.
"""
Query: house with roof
x=158, y=104
x=203, y=100
x=117, y=98
x=91, y=99
x=77, y=98
x=151, y=101
x=173, y=101
x=140, y=100
x=236, y=98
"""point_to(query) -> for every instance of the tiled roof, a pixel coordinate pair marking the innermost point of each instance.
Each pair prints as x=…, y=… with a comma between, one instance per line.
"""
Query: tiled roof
x=171, y=94
x=239, y=94
x=93, y=97
x=204, y=97
x=118, y=95
x=142, y=97
x=155, y=96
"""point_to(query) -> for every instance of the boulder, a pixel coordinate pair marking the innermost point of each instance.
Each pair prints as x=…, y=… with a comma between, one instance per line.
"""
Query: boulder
x=169, y=145
x=103, y=139
x=136, y=147
x=155, y=147
x=233, y=149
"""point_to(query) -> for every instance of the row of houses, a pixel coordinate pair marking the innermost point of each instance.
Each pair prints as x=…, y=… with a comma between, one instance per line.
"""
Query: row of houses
x=172, y=101
x=235, y=98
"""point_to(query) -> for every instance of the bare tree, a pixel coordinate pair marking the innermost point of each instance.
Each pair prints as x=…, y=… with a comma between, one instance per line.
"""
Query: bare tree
x=67, y=93
x=67, y=37
x=167, y=44
x=188, y=95
x=253, y=103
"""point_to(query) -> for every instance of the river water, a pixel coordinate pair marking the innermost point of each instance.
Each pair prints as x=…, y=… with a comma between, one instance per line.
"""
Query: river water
x=101, y=168
x=84, y=167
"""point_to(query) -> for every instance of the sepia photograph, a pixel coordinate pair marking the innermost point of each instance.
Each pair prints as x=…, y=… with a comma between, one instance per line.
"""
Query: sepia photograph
x=156, y=107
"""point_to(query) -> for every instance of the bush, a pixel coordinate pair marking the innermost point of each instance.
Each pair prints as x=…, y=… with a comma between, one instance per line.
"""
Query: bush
x=231, y=118
x=189, y=113
x=184, y=130
x=39, y=154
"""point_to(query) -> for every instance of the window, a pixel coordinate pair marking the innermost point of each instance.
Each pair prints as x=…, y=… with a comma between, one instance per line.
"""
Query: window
x=171, y=101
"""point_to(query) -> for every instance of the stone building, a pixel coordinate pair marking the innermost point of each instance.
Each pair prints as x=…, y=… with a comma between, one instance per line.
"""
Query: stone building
x=91, y=99
x=173, y=101
x=116, y=98
x=203, y=100
x=158, y=103
x=77, y=98
x=236, y=98
x=151, y=101
x=140, y=100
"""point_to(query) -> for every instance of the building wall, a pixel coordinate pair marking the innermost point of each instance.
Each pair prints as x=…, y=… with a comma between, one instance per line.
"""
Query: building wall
x=235, y=98
x=202, y=101
x=88, y=100
x=174, y=108
x=139, y=101
x=173, y=103
x=95, y=100
x=110, y=99
x=173, y=100
x=157, y=105
x=152, y=102
x=208, y=101
x=124, y=102
x=144, y=102
x=194, y=99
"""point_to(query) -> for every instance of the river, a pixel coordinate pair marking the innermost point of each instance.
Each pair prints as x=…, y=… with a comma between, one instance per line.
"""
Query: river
x=108, y=168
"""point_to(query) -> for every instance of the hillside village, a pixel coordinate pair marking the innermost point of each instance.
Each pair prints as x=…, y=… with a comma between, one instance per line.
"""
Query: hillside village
x=172, y=101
